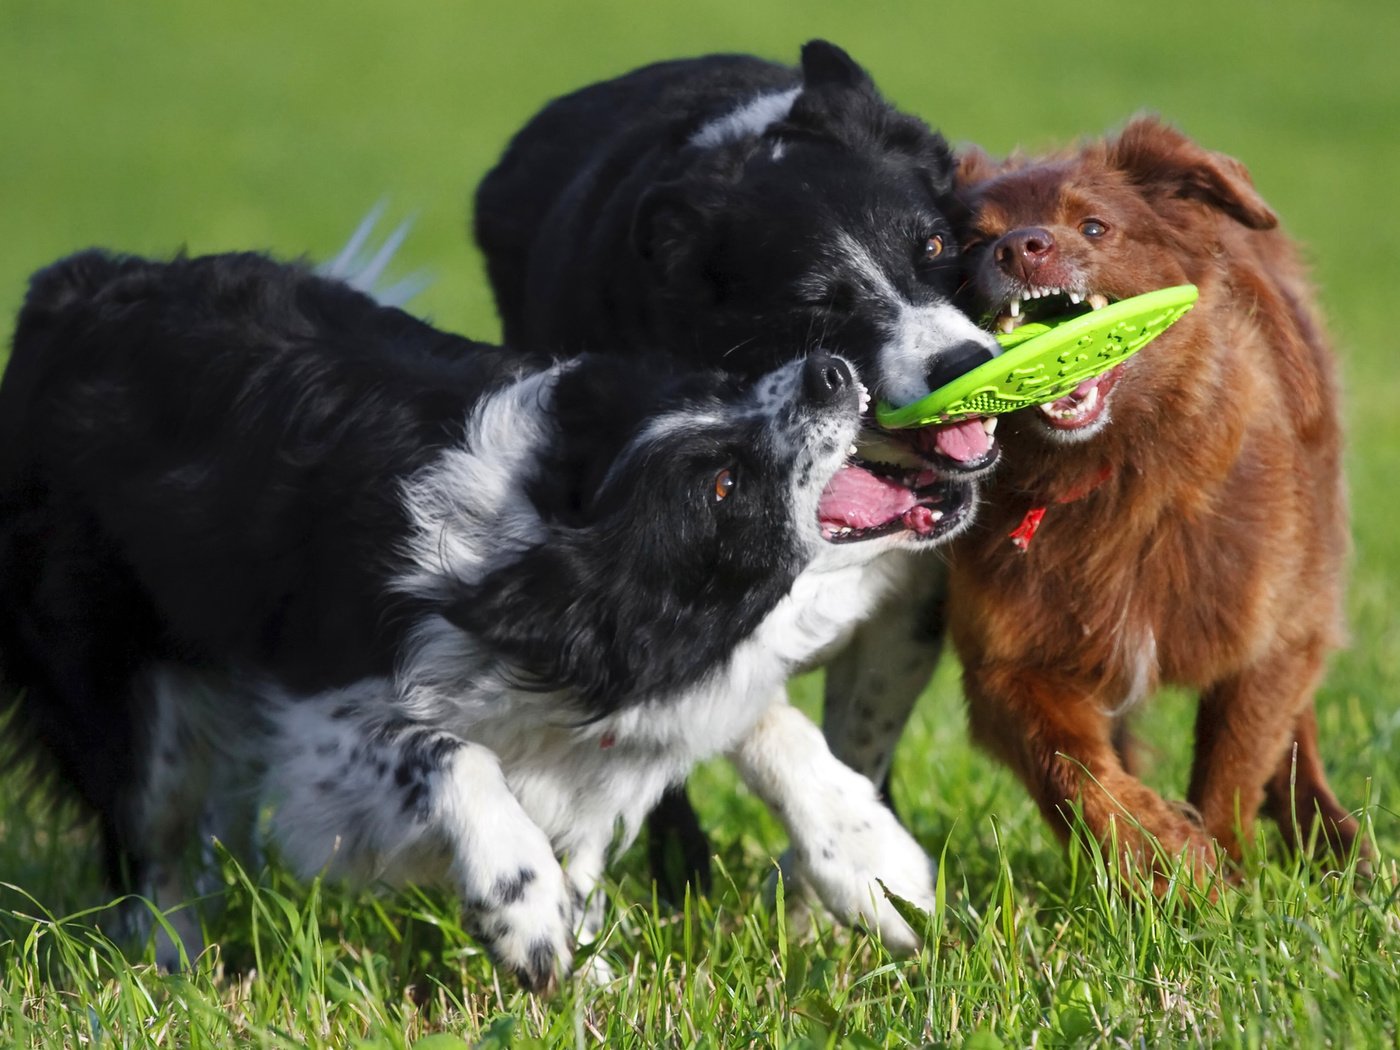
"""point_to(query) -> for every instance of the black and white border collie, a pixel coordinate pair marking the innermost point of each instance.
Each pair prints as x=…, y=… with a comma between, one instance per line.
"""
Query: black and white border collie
x=730, y=212
x=454, y=613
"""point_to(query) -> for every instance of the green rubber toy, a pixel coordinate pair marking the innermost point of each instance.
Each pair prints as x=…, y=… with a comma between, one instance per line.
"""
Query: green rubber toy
x=1042, y=362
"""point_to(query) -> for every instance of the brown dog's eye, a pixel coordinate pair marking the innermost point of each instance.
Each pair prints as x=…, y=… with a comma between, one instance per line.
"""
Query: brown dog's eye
x=724, y=484
x=1092, y=228
x=933, y=248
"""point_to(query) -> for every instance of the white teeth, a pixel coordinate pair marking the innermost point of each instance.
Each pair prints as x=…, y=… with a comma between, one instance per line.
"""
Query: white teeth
x=1006, y=324
x=864, y=395
x=989, y=424
x=851, y=451
x=1097, y=301
x=936, y=516
x=1074, y=297
x=1074, y=412
x=1015, y=309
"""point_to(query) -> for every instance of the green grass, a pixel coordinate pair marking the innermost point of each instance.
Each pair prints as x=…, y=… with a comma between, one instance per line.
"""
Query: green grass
x=263, y=125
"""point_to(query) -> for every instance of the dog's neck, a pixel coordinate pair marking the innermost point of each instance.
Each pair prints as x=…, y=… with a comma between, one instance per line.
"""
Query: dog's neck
x=1022, y=535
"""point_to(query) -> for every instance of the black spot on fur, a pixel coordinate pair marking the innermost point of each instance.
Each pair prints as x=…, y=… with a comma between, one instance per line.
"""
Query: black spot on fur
x=511, y=890
x=414, y=799
x=542, y=960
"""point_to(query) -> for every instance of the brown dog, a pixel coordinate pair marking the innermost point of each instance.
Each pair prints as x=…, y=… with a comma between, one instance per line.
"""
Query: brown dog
x=1180, y=520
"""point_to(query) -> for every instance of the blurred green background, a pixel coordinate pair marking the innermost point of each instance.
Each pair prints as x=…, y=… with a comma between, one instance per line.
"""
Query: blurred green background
x=209, y=127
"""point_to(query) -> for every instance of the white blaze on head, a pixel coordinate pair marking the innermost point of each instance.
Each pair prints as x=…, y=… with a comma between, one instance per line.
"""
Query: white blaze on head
x=916, y=339
x=752, y=118
x=916, y=336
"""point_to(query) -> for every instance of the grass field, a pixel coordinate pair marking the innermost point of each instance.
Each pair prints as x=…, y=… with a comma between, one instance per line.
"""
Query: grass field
x=259, y=125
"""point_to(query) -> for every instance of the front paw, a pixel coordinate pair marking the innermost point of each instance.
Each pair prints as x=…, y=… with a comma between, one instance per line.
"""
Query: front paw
x=859, y=855
x=525, y=919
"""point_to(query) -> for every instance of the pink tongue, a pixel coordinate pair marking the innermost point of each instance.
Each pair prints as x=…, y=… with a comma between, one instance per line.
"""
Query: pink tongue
x=964, y=442
x=920, y=520
x=862, y=500
x=1078, y=394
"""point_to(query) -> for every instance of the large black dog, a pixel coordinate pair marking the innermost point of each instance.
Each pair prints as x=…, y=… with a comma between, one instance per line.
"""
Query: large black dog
x=455, y=612
x=730, y=212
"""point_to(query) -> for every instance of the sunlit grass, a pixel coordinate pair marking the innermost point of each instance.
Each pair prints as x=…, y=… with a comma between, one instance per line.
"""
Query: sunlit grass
x=222, y=127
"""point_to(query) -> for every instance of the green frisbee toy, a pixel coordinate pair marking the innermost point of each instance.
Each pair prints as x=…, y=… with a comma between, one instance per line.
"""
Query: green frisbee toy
x=1042, y=362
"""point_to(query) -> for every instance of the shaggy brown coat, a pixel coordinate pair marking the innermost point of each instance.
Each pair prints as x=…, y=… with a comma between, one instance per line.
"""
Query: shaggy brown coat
x=1198, y=538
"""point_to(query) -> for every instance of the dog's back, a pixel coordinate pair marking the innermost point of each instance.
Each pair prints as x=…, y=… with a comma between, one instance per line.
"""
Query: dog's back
x=657, y=106
x=142, y=436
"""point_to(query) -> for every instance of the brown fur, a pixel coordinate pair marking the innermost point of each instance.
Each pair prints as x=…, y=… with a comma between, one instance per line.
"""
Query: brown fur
x=1211, y=555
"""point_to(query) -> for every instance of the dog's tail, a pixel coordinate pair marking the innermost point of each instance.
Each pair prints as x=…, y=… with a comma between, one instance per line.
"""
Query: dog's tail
x=363, y=268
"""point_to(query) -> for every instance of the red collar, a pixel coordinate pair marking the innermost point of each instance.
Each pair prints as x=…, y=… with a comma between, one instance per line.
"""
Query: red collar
x=1022, y=535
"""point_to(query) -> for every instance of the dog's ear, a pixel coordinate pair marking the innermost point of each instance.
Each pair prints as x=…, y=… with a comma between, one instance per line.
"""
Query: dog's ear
x=537, y=614
x=974, y=165
x=665, y=224
x=823, y=64
x=1153, y=154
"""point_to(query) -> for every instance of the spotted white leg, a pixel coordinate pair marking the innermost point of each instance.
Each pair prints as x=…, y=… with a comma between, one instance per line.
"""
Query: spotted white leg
x=872, y=685
x=845, y=841
x=372, y=797
x=180, y=768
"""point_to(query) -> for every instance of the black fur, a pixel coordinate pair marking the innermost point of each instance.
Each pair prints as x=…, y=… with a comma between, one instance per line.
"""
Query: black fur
x=613, y=224
x=606, y=227
x=202, y=465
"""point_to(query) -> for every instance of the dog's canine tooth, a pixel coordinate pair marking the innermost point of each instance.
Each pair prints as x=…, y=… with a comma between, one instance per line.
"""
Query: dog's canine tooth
x=1096, y=300
x=1015, y=308
x=1006, y=324
x=1074, y=297
x=989, y=425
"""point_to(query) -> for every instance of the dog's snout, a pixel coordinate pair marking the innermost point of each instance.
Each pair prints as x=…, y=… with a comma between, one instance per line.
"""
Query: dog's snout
x=1021, y=252
x=824, y=378
x=956, y=360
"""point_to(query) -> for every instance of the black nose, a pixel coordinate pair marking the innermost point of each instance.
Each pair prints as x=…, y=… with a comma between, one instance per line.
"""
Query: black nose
x=824, y=378
x=1021, y=252
x=954, y=361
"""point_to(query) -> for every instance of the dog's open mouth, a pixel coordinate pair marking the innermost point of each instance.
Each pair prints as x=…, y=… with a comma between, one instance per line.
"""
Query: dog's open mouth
x=1044, y=303
x=864, y=501
x=966, y=446
x=1086, y=403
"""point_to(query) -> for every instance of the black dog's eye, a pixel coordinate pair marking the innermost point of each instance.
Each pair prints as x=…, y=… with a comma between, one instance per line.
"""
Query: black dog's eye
x=724, y=484
x=1092, y=228
x=933, y=248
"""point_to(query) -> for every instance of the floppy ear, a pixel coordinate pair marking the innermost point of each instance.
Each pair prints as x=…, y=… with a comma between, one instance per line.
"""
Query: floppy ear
x=823, y=63
x=974, y=165
x=533, y=613
x=665, y=223
x=1154, y=154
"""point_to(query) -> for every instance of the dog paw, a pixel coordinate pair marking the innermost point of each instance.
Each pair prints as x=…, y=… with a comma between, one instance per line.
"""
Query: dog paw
x=860, y=854
x=526, y=921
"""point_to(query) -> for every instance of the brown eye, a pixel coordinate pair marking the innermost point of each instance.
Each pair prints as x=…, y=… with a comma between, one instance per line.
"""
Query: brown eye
x=933, y=248
x=724, y=484
x=1092, y=228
